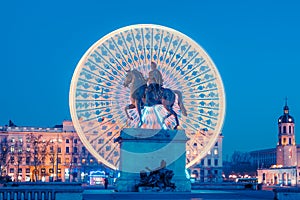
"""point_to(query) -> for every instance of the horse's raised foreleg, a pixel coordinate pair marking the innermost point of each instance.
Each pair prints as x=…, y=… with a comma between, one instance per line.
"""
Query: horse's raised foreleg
x=171, y=112
x=128, y=107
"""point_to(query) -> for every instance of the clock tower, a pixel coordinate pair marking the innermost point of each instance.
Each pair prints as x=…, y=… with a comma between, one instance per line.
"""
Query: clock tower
x=286, y=150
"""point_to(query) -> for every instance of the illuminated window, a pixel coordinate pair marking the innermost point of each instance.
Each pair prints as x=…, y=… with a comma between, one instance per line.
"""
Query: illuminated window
x=216, y=151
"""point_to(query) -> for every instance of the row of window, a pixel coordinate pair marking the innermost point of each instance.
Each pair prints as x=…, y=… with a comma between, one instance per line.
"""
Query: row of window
x=209, y=163
x=20, y=150
x=283, y=141
x=28, y=140
x=67, y=160
x=284, y=129
x=27, y=170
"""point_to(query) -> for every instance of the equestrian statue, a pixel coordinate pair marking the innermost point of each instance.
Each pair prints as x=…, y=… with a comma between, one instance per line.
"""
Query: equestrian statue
x=153, y=93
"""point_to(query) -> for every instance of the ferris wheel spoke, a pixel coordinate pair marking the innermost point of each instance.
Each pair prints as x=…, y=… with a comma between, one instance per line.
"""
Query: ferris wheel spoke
x=97, y=117
x=105, y=132
x=202, y=115
x=121, y=54
x=178, y=61
x=128, y=50
x=192, y=92
x=110, y=140
x=108, y=62
x=100, y=77
x=110, y=154
x=95, y=85
x=189, y=80
x=198, y=122
x=195, y=67
x=104, y=70
x=172, y=55
x=165, y=54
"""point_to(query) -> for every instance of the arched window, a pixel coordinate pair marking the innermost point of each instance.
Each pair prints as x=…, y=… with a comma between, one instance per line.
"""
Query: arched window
x=284, y=129
x=290, y=129
x=279, y=129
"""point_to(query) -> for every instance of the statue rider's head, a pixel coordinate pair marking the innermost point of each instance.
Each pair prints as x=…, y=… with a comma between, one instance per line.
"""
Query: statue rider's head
x=153, y=65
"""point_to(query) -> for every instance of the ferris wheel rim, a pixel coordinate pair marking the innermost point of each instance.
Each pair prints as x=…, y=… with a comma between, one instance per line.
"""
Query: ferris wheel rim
x=72, y=97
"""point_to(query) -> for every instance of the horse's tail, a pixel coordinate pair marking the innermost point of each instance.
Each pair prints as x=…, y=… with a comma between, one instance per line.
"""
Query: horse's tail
x=180, y=102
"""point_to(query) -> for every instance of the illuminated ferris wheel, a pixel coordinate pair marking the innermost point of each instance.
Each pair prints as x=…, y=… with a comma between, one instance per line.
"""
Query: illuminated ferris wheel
x=98, y=97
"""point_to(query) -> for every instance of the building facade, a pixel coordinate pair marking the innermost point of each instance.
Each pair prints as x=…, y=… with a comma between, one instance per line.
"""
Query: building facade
x=210, y=168
x=286, y=170
x=45, y=154
x=57, y=154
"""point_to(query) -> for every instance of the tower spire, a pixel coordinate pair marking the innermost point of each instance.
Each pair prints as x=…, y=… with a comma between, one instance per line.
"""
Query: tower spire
x=286, y=108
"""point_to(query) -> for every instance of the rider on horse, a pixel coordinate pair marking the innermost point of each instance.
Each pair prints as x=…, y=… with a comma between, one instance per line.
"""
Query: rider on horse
x=155, y=82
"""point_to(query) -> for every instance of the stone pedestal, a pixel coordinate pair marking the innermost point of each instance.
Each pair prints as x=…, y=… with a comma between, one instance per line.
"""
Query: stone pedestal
x=145, y=150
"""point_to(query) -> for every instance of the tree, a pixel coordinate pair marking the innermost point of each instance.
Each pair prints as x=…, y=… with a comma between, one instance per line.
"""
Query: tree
x=3, y=154
x=38, y=152
x=18, y=153
x=241, y=164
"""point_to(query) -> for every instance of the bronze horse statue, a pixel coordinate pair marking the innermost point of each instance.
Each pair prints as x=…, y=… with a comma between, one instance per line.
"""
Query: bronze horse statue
x=139, y=91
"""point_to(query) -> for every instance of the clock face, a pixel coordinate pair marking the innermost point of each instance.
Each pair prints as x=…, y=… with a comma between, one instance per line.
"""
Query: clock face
x=98, y=97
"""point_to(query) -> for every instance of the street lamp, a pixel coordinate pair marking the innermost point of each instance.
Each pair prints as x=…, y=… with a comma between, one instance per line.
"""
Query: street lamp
x=83, y=161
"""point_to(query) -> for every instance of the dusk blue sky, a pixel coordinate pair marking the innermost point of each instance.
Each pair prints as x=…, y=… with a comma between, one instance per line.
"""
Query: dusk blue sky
x=255, y=45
